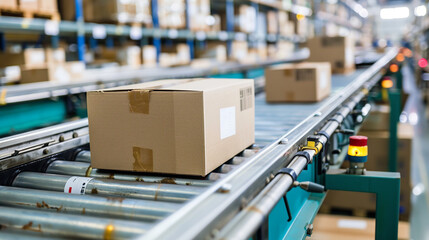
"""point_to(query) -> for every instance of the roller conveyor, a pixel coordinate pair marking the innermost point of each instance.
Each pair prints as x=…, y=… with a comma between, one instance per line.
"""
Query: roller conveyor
x=128, y=205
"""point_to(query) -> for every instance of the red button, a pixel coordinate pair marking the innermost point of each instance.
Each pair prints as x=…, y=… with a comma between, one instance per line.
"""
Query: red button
x=358, y=141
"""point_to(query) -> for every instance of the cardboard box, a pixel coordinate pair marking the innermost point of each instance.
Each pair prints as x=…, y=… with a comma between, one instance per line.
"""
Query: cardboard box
x=76, y=69
x=339, y=51
x=215, y=51
x=49, y=72
x=29, y=5
x=55, y=55
x=48, y=6
x=302, y=82
x=246, y=19
x=189, y=126
x=129, y=56
x=378, y=160
x=378, y=119
x=8, y=4
x=130, y=11
x=332, y=227
x=149, y=55
x=239, y=50
x=272, y=22
x=30, y=57
x=183, y=54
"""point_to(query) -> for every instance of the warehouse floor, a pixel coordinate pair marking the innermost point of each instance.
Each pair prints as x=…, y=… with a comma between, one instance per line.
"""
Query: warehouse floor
x=416, y=112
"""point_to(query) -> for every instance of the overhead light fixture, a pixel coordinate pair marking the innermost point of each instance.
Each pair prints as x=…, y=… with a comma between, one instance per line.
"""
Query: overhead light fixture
x=394, y=13
x=420, y=11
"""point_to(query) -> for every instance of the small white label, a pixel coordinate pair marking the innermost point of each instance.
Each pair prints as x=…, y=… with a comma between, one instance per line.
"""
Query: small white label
x=323, y=79
x=37, y=56
x=173, y=33
x=227, y=122
x=52, y=28
x=349, y=56
x=76, y=185
x=354, y=224
x=136, y=33
x=99, y=32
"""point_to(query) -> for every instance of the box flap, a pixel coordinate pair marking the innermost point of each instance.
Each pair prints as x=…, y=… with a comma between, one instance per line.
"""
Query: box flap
x=195, y=84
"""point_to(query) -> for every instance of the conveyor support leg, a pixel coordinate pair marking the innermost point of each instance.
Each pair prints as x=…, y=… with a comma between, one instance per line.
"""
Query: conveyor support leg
x=386, y=186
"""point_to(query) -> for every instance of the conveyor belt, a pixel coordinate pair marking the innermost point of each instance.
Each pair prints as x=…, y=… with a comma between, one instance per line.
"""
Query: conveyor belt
x=273, y=120
x=152, y=198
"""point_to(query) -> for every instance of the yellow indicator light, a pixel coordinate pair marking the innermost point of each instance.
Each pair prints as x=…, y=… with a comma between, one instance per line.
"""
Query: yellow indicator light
x=387, y=83
x=394, y=68
x=300, y=17
x=358, y=151
x=400, y=57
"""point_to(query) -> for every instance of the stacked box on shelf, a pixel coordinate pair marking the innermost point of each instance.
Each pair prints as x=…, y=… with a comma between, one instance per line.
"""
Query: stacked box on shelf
x=239, y=51
x=199, y=15
x=171, y=14
x=272, y=22
x=9, y=4
x=287, y=28
x=130, y=11
x=282, y=50
x=129, y=56
x=51, y=66
x=246, y=19
x=28, y=5
x=149, y=55
x=213, y=50
x=176, y=56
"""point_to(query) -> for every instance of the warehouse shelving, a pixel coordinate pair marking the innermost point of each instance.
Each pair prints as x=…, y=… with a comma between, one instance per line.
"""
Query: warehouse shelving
x=82, y=29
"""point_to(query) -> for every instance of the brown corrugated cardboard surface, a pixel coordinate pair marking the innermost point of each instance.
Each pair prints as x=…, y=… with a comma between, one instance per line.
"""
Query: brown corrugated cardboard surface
x=303, y=82
x=332, y=227
x=172, y=126
x=9, y=4
x=30, y=57
x=29, y=5
x=339, y=51
x=378, y=155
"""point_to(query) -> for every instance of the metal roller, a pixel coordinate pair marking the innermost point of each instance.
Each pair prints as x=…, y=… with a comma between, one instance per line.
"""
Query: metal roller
x=83, y=156
x=85, y=204
x=107, y=187
x=24, y=235
x=84, y=169
x=69, y=226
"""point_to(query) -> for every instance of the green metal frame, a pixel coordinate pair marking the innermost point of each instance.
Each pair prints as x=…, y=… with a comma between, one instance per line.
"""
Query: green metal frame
x=386, y=186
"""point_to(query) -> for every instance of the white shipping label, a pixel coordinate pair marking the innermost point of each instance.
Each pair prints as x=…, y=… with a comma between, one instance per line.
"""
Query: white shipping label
x=77, y=185
x=227, y=122
x=323, y=79
x=355, y=224
x=136, y=33
x=350, y=58
x=99, y=31
x=37, y=57
x=52, y=28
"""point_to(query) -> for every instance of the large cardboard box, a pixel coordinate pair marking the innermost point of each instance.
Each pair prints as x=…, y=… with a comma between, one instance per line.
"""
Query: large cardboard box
x=339, y=51
x=378, y=160
x=302, y=82
x=55, y=55
x=189, y=126
x=378, y=119
x=76, y=69
x=9, y=4
x=149, y=55
x=129, y=56
x=30, y=57
x=332, y=227
x=49, y=72
x=29, y=5
x=48, y=6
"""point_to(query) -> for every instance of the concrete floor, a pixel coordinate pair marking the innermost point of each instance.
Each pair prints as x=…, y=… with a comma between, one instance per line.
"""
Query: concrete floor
x=415, y=113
